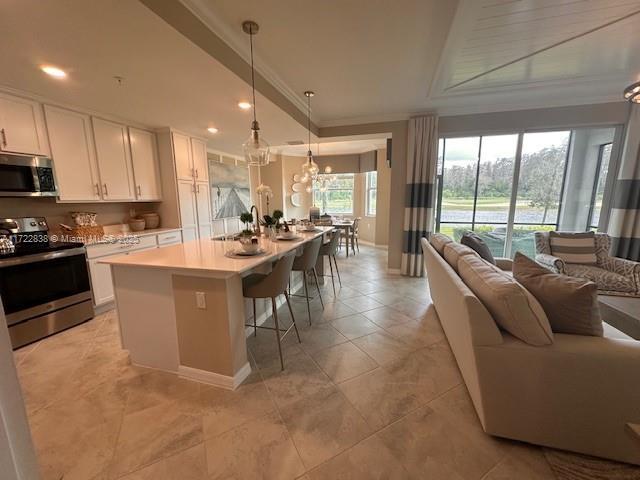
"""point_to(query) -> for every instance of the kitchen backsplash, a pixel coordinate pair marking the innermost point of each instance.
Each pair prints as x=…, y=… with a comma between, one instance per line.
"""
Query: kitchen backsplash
x=108, y=213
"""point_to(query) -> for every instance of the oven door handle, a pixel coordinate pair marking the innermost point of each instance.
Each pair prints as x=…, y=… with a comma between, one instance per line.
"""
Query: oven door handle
x=40, y=257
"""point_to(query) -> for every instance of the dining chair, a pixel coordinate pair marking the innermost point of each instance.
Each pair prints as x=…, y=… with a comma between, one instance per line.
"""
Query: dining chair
x=272, y=285
x=350, y=236
x=329, y=250
x=306, y=263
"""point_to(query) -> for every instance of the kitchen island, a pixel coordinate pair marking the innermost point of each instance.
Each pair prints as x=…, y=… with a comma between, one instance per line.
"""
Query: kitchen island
x=181, y=307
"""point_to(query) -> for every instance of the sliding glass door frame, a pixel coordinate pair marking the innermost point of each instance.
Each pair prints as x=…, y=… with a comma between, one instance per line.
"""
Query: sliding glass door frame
x=510, y=223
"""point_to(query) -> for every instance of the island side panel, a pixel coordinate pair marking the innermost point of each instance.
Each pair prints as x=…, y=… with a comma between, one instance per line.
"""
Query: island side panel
x=146, y=313
x=211, y=340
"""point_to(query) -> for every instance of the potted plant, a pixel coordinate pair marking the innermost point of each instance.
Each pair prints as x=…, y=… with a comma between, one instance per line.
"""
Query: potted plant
x=247, y=219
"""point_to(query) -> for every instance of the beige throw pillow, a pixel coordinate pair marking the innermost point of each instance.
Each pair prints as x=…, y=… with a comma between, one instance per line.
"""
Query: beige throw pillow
x=579, y=247
x=438, y=241
x=511, y=306
x=453, y=251
x=571, y=303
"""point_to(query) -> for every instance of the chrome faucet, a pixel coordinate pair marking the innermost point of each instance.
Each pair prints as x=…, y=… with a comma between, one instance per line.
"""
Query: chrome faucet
x=256, y=226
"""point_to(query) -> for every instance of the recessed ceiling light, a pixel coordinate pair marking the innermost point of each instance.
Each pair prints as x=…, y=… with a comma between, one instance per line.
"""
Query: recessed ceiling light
x=212, y=130
x=53, y=71
x=244, y=105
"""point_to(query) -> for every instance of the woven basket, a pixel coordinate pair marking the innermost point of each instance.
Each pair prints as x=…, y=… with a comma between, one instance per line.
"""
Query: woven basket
x=88, y=232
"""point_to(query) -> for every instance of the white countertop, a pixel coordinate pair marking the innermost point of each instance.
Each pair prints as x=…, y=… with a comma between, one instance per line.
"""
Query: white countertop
x=142, y=233
x=209, y=255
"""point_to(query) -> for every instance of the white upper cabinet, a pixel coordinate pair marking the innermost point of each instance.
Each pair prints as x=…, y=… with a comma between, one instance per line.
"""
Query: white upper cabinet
x=182, y=155
x=144, y=157
x=114, y=160
x=22, y=127
x=200, y=163
x=73, y=155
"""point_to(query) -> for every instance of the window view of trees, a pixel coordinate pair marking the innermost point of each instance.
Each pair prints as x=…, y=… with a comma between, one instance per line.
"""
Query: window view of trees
x=338, y=196
x=371, y=192
x=477, y=176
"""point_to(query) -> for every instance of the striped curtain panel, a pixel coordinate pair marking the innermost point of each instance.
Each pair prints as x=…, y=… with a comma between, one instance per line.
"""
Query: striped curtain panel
x=422, y=157
x=624, y=222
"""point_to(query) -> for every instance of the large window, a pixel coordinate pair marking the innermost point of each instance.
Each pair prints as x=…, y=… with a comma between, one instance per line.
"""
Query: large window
x=337, y=196
x=506, y=187
x=371, y=193
x=602, y=170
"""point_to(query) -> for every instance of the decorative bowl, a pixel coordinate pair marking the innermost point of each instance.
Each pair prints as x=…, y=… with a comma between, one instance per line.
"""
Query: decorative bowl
x=152, y=220
x=136, y=224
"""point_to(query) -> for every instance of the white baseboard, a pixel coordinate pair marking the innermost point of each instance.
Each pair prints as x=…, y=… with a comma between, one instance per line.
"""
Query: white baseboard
x=215, y=379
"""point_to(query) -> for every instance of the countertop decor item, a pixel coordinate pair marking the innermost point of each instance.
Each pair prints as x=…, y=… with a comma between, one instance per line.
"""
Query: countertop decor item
x=152, y=220
x=136, y=224
x=84, y=219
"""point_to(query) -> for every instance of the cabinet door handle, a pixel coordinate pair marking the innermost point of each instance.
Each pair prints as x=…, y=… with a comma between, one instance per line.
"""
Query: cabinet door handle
x=196, y=173
x=139, y=191
x=97, y=187
x=4, y=137
x=106, y=190
x=193, y=188
x=197, y=188
x=193, y=172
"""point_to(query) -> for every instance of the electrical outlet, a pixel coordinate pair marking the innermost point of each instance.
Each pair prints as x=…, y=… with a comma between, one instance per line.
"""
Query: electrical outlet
x=201, y=300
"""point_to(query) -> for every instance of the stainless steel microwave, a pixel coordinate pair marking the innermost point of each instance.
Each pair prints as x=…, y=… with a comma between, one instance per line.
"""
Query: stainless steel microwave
x=26, y=176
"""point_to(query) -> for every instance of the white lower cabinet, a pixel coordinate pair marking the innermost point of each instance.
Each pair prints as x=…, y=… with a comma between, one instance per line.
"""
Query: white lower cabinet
x=101, y=283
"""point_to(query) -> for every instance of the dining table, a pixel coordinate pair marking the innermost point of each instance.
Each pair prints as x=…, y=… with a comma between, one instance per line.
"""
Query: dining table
x=347, y=226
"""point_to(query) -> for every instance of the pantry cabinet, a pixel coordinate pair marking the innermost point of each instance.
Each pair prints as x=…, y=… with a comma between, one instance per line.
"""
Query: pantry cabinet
x=203, y=205
x=114, y=160
x=22, y=128
x=74, y=156
x=182, y=156
x=200, y=163
x=188, y=209
x=144, y=158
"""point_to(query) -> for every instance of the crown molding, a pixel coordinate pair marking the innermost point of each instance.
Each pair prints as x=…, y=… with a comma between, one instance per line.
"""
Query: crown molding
x=237, y=41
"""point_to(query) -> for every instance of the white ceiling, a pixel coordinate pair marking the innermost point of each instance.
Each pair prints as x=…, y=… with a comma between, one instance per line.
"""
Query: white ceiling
x=334, y=148
x=373, y=60
x=363, y=58
x=168, y=80
x=367, y=60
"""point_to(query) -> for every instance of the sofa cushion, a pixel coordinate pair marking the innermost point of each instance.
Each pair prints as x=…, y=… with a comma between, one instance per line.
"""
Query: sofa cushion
x=453, y=251
x=604, y=279
x=571, y=304
x=474, y=241
x=513, y=308
x=578, y=247
x=438, y=241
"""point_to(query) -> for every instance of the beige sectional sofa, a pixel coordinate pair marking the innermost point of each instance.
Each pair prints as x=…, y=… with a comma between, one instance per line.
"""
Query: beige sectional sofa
x=581, y=393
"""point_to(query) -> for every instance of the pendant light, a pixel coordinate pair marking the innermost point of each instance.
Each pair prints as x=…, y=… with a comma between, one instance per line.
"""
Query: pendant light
x=310, y=169
x=256, y=149
x=632, y=93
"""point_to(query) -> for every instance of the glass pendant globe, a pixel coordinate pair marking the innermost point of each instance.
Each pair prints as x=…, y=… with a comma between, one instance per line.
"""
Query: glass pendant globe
x=310, y=169
x=256, y=150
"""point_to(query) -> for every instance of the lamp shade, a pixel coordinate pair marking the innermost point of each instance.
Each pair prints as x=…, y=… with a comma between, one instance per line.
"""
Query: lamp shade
x=256, y=150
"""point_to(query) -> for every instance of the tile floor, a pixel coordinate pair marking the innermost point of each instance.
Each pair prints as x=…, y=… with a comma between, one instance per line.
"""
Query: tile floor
x=372, y=391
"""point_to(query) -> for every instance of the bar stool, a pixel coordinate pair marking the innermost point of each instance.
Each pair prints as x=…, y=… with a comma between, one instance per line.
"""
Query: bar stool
x=329, y=250
x=307, y=263
x=272, y=285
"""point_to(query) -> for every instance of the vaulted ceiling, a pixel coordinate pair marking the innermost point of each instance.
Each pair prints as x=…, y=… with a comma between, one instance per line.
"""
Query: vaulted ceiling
x=367, y=60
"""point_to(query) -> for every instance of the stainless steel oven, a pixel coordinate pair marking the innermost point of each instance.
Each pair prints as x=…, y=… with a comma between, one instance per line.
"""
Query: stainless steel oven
x=26, y=176
x=44, y=285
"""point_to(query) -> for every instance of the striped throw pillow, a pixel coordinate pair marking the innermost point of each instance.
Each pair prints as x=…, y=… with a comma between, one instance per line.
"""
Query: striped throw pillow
x=574, y=247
